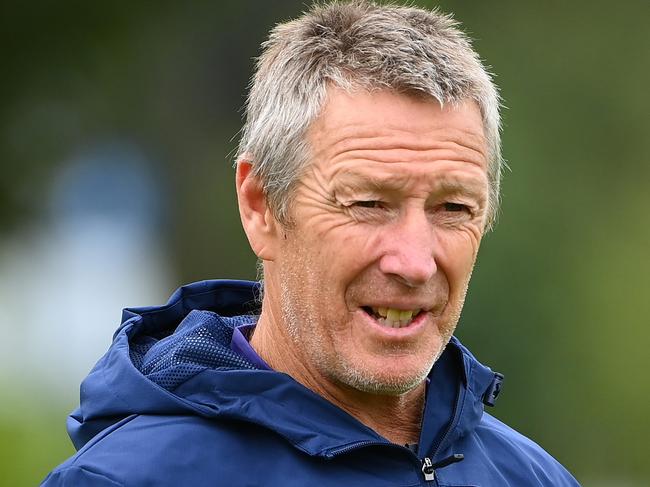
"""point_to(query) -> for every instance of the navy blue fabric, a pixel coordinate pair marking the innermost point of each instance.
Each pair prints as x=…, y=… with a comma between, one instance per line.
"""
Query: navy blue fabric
x=171, y=404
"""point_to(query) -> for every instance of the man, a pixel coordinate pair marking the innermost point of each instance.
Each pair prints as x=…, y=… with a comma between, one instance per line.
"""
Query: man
x=368, y=173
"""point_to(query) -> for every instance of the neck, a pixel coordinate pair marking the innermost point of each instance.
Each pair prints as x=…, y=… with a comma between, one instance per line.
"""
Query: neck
x=396, y=417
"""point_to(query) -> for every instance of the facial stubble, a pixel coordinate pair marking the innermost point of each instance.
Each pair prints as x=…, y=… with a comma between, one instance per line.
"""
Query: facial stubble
x=299, y=284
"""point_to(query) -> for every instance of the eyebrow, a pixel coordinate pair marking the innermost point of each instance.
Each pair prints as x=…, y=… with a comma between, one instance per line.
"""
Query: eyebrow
x=355, y=182
x=358, y=182
x=467, y=186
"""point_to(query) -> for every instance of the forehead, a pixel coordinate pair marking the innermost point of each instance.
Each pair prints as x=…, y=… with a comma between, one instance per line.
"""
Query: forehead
x=408, y=112
x=387, y=137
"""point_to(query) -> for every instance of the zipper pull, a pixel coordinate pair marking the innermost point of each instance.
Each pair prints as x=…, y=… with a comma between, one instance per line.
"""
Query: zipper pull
x=429, y=469
x=456, y=457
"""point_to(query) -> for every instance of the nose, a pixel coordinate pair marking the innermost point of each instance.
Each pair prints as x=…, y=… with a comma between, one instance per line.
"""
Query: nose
x=409, y=249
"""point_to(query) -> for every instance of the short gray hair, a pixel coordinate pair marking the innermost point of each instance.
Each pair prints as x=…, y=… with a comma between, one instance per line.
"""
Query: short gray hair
x=356, y=45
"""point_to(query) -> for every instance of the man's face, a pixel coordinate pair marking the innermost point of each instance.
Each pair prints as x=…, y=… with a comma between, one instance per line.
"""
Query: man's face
x=387, y=223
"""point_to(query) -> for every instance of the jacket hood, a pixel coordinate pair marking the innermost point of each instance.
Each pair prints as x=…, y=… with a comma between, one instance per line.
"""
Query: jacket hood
x=176, y=359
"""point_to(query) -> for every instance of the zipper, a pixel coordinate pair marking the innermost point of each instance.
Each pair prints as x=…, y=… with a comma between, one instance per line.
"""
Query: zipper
x=426, y=466
x=460, y=397
x=360, y=444
x=429, y=468
x=420, y=464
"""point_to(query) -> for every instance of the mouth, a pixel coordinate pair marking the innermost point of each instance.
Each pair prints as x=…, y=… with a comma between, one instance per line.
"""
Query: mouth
x=392, y=317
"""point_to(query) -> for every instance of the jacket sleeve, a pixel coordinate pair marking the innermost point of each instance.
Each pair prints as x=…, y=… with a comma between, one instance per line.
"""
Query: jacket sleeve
x=77, y=477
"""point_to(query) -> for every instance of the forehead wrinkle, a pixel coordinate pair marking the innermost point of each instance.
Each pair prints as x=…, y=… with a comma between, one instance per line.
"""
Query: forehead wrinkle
x=360, y=170
x=407, y=156
x=461, y=182
x=361, y=182
x=472, y=186
x=394, y=145
x=384, y=136
x=466, y=134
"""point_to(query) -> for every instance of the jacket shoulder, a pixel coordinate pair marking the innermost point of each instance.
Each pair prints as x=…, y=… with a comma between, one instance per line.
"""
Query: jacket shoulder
x=73, y=476
x=172, y=450
x=516, y=451
x=144, y=448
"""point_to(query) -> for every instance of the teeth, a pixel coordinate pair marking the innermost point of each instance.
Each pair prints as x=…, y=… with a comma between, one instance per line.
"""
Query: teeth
x=393, y=315
x=405, y=315
x=395, y=318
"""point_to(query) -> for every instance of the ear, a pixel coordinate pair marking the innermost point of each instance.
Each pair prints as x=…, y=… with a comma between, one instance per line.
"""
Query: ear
x=258, y=221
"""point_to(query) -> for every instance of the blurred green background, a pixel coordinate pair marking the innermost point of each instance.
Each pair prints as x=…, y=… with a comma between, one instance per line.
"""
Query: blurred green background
x=117, y=126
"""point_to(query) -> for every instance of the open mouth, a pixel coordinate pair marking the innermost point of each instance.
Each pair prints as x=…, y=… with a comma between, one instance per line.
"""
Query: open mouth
x=392, y=317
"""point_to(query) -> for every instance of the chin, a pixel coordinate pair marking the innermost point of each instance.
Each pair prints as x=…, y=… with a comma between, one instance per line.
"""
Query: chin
x=391, y=381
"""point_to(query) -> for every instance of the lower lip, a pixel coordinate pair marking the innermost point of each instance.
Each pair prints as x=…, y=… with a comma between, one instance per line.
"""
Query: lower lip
x=413, y=328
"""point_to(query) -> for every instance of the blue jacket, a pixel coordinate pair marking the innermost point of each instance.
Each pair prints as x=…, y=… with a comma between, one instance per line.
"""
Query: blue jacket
x=170, y=404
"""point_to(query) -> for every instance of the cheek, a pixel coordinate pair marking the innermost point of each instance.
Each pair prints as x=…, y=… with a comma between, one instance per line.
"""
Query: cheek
x=344, y=243
x=456, y=257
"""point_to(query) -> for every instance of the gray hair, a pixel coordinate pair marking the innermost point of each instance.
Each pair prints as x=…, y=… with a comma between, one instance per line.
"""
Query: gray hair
x=356, y=45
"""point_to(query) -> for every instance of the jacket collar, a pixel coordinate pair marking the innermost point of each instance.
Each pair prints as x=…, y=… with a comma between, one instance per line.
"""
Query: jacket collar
x=116, y=388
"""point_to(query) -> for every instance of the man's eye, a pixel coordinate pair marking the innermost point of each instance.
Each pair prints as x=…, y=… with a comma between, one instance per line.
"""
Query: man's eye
x=454, y=207
x=367, y=204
